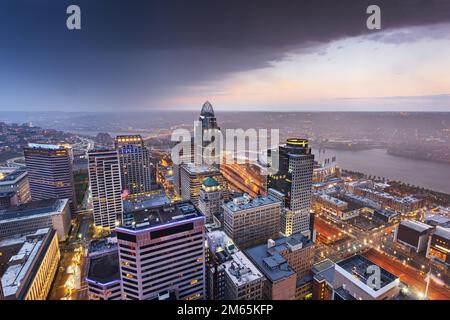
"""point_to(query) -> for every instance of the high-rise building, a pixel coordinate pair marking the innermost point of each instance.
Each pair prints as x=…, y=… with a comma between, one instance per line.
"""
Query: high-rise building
x=134, y=164
x=50, y=172
x=294, y=180
x=211, y=199
x=251, y=222
x=163, y=251
x=192, y=177
x=106, y=187
x=31, y=262
x=209, y=133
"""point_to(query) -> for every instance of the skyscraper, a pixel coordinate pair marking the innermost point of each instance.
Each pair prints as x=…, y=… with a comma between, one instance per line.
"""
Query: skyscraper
x=106, y=187
x=50, y=172
x=294, y=180
x=162, y=252
x=135, y=164
x=208, y=121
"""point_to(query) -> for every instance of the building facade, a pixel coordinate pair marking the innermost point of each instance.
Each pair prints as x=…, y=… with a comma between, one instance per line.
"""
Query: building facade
x=192, y=178
x=163, y=250
x=250, y=221
x=32, y=266
x=294, y=180
x=106, y=188
x=15, y=181
x=29, y=217
x=135, y=166
x=50, y=174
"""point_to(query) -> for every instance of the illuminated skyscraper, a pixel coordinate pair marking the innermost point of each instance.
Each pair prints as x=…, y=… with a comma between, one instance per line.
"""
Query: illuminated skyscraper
x=162, y=252
x=294, y=180
x=50, y=172
x=106, y=187
x=135, y=163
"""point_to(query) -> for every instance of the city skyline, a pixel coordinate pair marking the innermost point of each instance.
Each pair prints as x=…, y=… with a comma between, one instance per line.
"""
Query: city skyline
x=258, y=56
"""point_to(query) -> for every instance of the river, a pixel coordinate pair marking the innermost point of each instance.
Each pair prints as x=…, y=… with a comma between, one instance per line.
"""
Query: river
x=376, y=162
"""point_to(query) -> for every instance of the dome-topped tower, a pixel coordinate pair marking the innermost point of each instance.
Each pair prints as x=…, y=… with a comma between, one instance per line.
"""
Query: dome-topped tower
x=207, y=110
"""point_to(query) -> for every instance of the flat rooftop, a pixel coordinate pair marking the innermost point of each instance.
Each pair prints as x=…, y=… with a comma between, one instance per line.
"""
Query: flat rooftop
x=245, y=202
x=104, y=268
x=416, y=225
x=46, y=146
x=271, y=262
x=443, y=232
x=200, y=169
x=241, y=270
x=357, y=266
x=25, y=252
x=11, y=174
x=157, y=216
x=152, y=199
x=34, y=208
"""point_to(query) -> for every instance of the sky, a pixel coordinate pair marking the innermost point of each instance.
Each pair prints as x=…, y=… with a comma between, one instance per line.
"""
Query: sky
x=277, y=55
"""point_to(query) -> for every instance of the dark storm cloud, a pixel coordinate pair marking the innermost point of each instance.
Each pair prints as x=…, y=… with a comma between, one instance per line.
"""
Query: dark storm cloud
x=130, y=52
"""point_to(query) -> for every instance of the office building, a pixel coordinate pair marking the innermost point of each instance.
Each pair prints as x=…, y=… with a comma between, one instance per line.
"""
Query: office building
x=163, y=250
x=211, y=199
x=351, y=280
x=14, y=187
x=192, y=177
x=285, y=262
x=50, y=174
x=209, y=132
x=412, y=236
x=229, y=273
x=250, y=221
x=294, y=180
x=243, y=281
x=103, y=272
x=135, y=164
x=439, y=246
x=323, y=280
x=106, y=187
x=29, y=265
x=31, y=216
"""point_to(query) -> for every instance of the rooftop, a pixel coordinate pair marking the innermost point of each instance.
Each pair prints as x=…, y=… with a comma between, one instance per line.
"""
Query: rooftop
x=160, y=215
x=240, y=270
x=220, y=244
x=245, y=202
x=149, y=200
x=32, y=209
x=324, y=270
x=271, y=262
x=46, y=146
x=416, y=225
x=8, y=175
x=22, y=258
x=357, y=266
x=442, y=232
x=104, y=268
x=210, y=182
x=192, y=168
